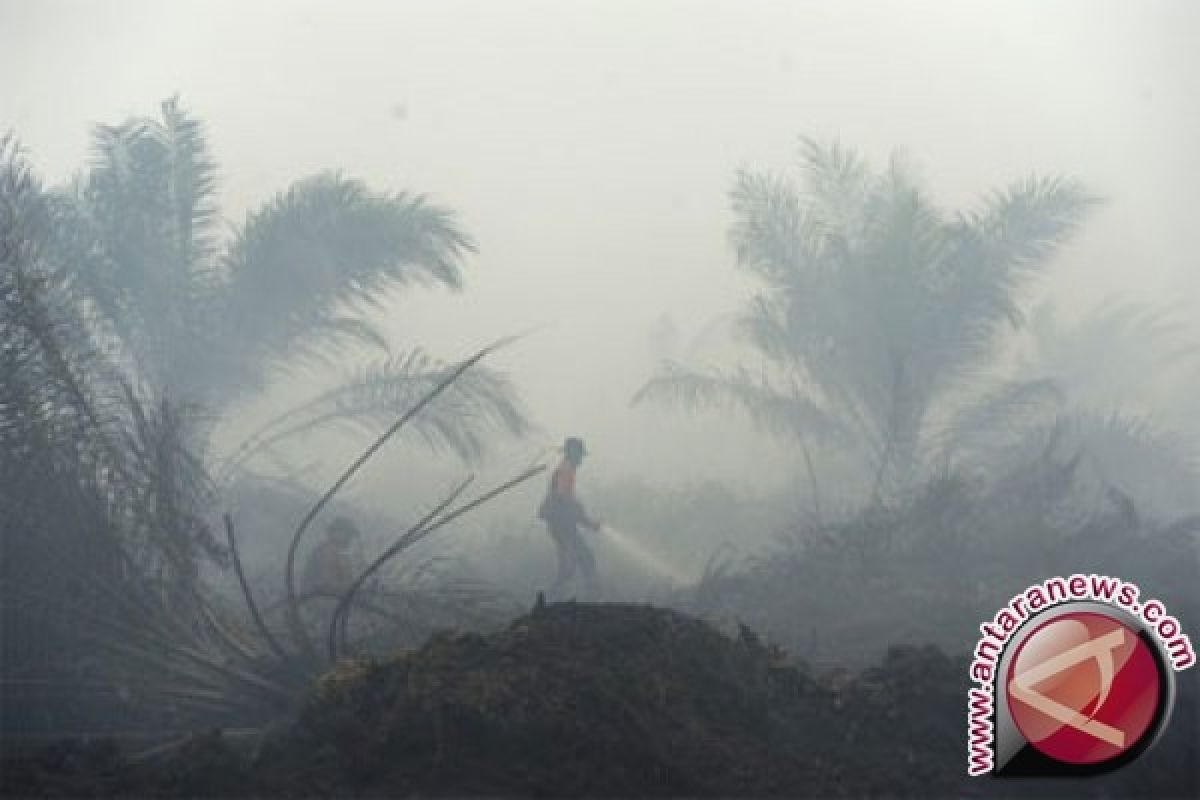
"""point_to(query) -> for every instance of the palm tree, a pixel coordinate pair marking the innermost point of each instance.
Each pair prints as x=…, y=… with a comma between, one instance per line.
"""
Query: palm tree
x=209, y=320
x=98, y=497
x=123, y=318
x=876, y=308
x=1121, y=367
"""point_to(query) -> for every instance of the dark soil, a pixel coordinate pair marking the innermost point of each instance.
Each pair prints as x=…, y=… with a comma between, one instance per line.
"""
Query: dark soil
x=602, y=700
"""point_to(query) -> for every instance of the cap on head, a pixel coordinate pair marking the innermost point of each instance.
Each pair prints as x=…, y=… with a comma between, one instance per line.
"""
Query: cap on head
x=574, y=449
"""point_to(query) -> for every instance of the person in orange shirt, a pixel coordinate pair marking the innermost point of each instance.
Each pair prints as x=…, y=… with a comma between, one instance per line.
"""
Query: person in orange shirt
x=563, y=514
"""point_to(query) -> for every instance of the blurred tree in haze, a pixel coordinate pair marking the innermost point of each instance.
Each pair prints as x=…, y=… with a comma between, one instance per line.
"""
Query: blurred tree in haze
x=1127, y=372
x=129, y=323
x=101, y=502
x=878, y=311
x=79, y=440
x=211, y=319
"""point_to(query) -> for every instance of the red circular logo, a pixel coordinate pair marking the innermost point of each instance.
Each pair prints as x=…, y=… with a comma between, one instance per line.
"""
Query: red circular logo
x=1084, y=688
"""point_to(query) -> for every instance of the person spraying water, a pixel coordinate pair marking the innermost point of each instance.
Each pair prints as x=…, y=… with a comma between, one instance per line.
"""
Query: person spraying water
x=563, y=514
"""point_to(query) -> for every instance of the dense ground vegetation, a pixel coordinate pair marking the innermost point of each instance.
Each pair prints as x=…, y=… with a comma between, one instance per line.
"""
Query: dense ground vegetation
x=935, y=567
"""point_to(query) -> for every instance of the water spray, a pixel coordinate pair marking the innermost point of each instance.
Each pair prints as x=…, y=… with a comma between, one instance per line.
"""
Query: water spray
x=633, y=548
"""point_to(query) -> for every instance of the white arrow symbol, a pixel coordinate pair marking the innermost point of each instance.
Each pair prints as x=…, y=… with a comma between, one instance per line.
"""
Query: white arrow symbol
x=1021, y=686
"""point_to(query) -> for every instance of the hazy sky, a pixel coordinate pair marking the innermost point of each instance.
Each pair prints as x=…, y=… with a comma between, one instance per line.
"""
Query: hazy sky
x=589, y=146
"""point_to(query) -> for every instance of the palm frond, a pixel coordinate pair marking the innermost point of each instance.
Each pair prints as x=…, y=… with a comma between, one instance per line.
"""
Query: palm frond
x=326, y=244
x=769, y=407
x=479, y=403
x=1134, y=454
x=54, y=377
x=995, y=249
x=21, y=203
x=837, y=180
x=1000, y=414
x=1121, y=451
x=191, y=183
x=136, y=234
x=971, y=288
x=172, y=483
x=1025, y=223
x=766, y=326
x=771, y=234
x=1118, y=352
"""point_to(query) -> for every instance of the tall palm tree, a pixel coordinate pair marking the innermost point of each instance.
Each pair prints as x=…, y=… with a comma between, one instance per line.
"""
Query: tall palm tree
x=124, y=314
x=876, y=307
x=98, y=497
x=209, y=318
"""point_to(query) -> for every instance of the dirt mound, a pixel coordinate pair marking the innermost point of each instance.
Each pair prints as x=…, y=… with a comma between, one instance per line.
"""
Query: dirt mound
x=597, y=700
x=572, y=699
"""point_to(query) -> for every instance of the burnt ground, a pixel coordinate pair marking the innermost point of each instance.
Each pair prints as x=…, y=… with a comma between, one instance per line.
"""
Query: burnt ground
x=602, y=700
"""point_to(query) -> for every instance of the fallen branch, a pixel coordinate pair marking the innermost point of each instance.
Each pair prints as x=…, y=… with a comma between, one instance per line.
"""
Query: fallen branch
x=417, y=533
x=345, y=600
